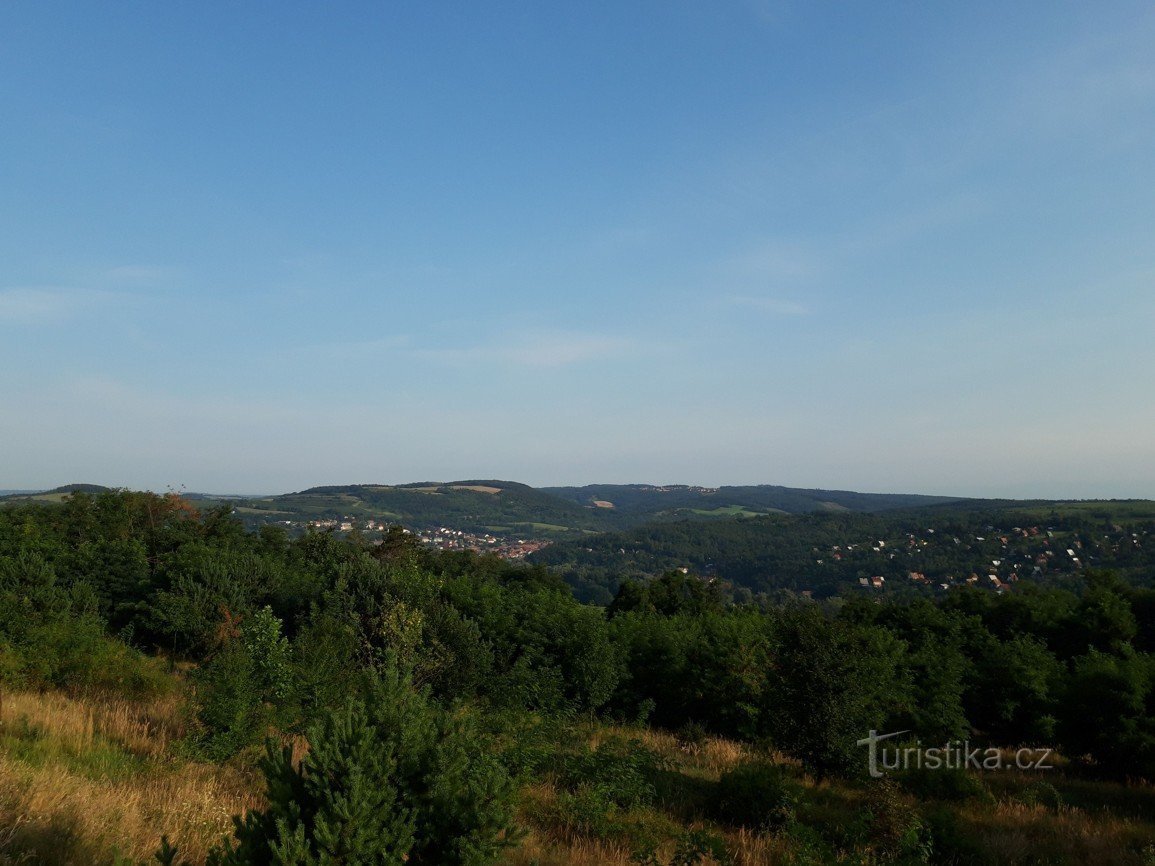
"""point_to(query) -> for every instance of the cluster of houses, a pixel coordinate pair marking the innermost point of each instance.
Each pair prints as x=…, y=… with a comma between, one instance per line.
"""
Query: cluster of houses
x=996, y=561
x=444, y=538
x=439, y=538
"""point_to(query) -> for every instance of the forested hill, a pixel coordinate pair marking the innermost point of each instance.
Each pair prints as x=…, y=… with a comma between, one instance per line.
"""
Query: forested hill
x=56, y=494
x=508, y=508
x=485, y=505
x=489, y=505
x=925, y=551
x=651, y=501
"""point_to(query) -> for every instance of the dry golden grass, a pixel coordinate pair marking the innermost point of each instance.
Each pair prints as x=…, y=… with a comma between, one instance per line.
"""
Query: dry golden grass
x=1019, y=833
x=750, y=848
x=144, y=729
x=539, y=850
x=60, y=806
x=55, y=815
x=709, y=758
x=58, y=817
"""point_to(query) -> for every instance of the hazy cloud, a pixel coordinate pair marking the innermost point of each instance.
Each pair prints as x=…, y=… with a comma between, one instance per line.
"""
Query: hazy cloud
x=776, y=306
x=776, y=261
x=355, y=350
x=23, y=305
x=139, y=275
x=541, y=349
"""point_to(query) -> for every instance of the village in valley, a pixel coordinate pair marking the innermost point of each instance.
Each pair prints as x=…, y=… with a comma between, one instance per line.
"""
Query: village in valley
x=436, y=538
x=995, y=560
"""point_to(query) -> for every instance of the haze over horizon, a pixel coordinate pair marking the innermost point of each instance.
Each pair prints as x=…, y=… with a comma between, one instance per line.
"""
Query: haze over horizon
x=890, y=248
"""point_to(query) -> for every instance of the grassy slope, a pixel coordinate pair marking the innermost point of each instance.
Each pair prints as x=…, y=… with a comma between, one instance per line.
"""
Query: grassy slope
x=468, y=505
x=640, y=502
x=556, y=511
x=1097, y=822
x=83, y=779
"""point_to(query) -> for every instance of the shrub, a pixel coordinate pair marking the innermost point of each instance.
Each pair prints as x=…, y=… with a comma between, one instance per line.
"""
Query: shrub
x=757, y=795
x=893, y=830
x=591, y=811
x=244, y=686
x=692, y=735
x=621, y=770
x=389, y=779
x=950, y=842
x=952, y=784
x=231, y=711
x=1043, y=794
x=74, y=653
x=532, y=743
x=691, y=848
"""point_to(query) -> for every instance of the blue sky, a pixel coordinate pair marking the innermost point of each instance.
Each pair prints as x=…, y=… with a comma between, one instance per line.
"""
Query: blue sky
x=252, y=247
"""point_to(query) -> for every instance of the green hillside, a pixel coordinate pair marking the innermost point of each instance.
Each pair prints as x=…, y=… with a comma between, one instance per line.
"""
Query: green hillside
x=831, y=553
x=632, y=504
x=56, y=494
x=489, y=505
x=417, y=703
x=474, y=505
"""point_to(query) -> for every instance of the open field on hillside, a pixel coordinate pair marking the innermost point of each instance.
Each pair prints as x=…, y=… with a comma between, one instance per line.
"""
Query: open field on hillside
x=84, y=780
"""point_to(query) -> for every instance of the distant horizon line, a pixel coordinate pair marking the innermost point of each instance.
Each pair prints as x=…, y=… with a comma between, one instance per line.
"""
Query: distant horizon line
x=32, y=491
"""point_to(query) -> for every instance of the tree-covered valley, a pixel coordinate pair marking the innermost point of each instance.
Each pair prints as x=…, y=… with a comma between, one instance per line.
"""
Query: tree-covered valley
x=163, y=669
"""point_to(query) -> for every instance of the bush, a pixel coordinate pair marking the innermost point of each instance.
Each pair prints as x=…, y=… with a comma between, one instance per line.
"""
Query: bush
x=757, y=795
x=953, y=785
x=691, y=848
x=622, y=771
x=388, y=779
x=590, y=811
x=1041, y=794
x=74, y=653
x=245, y=687
x=692, y=735
x=532, y=743
x=893, y=830
x=950, y=842
x=231, y=712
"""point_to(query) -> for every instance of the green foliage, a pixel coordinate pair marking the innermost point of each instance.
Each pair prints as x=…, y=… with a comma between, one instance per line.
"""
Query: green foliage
x=591, y=811
x=325, y=663
x=935, y=667
x=949, y=784
x=1042, y=793
x=950, y=842
x=1105, y=712
x=832, y=683
x=690, y=849
x=531, y=743
x=389, y=779
x=621, y=771
x=205, y=585
x=396, y=612
x=52, y=636
x=673, y=593
x=713, y=669
x=894, y=831
x=230, y=710
x=757, y=795
x=245, y=686
x=549, y=652
x=117, y=569
x=1012, y=688
x=269, y=650
x=1102, y=621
